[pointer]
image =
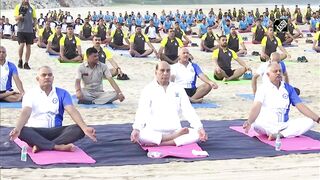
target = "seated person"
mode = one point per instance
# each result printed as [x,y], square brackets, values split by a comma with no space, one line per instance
[117,37]
[226,28]
[104,56]
[101,31]
[269,44]
[170,45]
[40,122]
[234,41]
[137,44]
[185,73]
[86,30]
[262,71]
[153,33]
[179,33]
[313,22]
[285,37]
[316,42]
[222,61]
[91,73]
[299,17]
[53,46]
[44,34]
[203,28]
[294,30]
[244,26]
[158,123]
[9,71]
[207,41]
[7,29]
[167,24]
[272,100]
[70,47]
[258,32]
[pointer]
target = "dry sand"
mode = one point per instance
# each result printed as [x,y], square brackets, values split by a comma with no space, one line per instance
[304,76]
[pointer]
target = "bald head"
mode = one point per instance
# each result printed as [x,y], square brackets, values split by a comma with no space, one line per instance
[275,57]
[3,54]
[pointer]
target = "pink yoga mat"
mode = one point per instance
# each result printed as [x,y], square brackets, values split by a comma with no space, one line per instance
[287,144]
[184,151]
[55,157]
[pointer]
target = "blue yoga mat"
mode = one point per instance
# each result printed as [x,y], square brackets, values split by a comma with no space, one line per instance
[290,45]
[114,147]
[251,98]
[109,105]
[204,105]
[310,50]
[15,105]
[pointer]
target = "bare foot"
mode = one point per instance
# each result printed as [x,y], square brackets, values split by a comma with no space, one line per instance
[64,147]
[272,137]
[35,149]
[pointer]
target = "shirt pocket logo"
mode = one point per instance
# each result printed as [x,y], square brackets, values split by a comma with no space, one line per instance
[285,96]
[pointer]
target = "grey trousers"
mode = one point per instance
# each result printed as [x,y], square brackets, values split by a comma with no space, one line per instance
[47,138]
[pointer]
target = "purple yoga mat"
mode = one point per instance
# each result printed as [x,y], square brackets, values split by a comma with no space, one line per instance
[184,151]
[54,157]
[287,144]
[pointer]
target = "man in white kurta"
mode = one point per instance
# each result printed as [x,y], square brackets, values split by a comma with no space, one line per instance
[270,112]
[161,105]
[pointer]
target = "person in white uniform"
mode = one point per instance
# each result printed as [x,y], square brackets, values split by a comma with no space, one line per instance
[185,74]
[270,112]
[157,121]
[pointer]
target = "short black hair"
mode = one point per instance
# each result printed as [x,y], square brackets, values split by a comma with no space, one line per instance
[90,51]
[69,25]
[222,36]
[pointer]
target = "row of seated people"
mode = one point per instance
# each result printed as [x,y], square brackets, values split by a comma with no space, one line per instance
[153,126]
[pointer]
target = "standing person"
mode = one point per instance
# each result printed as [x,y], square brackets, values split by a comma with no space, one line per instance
[8,72]
[26,18]
[40,122]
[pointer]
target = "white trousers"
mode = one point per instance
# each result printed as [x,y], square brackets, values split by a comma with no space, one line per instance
[291,128]
[149,136]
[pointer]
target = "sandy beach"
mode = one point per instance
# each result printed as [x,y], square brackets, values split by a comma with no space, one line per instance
[305,76]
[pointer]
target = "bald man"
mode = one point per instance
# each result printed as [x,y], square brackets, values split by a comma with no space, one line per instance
[157,120]
[40,121]
[269,114]
[8,72]
[185,74]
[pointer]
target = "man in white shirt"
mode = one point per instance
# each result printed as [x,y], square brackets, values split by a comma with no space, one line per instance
[153,33]
[270,111]
[185,74]
[40,122]
[157,120]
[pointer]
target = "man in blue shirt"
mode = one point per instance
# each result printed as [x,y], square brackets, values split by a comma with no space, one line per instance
[40,122]
[9,71]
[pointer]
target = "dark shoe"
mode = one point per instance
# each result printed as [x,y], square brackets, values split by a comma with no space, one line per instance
[299,59]
[26,66]
[194,45]
[309,41]
[304,59]
[84,102]
[297,90]
[309,35]
[20,64]
[123,77]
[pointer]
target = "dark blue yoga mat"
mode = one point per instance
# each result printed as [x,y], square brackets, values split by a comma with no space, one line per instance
[114,147]
[204,105]
[15,105]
